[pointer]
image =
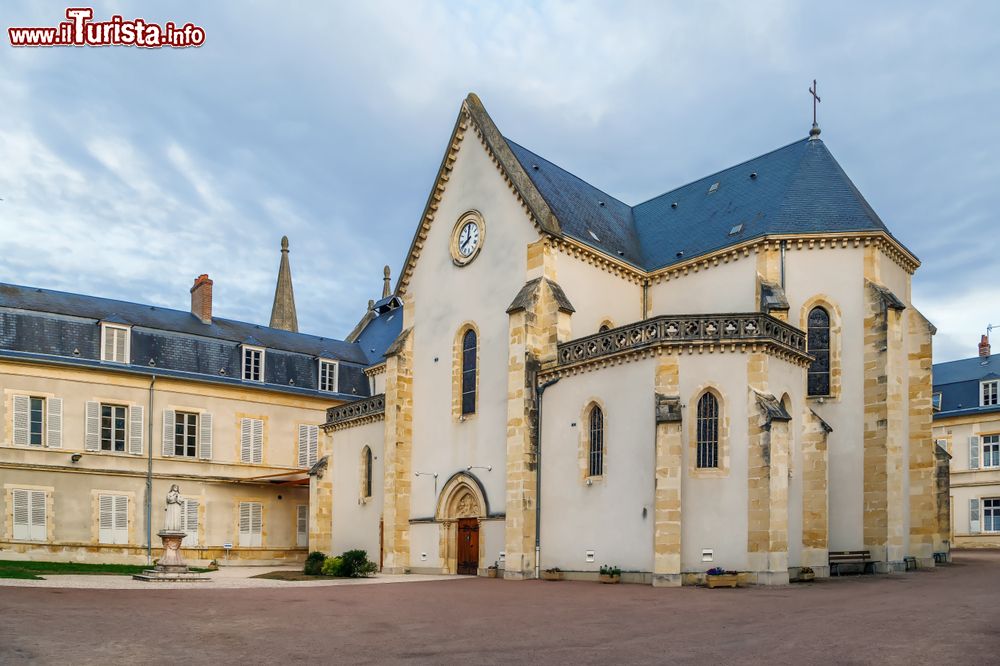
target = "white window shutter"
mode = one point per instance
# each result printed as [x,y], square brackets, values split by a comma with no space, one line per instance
[37,530]
[106,521]
[244,524]
[109,344]
[974,515]
[121,519]
[22,419]
[256,523]
[246,441]
[302,525]
[169,426]
[22,514]
[974,452]
[303,446]
[53,425]
[205,436]
[258,440]
[121,345]
[313,444]
[92,441]
[190,523]
[135,430]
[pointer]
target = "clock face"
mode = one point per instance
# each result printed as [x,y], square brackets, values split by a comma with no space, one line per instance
[468,239]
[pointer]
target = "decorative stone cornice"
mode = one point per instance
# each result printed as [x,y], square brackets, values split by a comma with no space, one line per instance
[735,332]
[377,369]
[355,413]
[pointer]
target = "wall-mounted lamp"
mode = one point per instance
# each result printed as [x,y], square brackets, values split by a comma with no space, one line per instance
[488,468]
[434,474]
[590,482]
[75,457]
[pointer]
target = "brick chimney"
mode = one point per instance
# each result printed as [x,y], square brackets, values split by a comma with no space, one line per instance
[201,299]
[984,347]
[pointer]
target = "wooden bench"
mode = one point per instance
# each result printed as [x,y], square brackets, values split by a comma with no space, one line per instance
[862,557]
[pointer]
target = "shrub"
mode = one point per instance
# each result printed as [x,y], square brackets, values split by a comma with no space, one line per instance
[610,571]
[314,563]
[334,566]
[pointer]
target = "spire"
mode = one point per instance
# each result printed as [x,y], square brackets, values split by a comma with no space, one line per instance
[386,290]
[283,310]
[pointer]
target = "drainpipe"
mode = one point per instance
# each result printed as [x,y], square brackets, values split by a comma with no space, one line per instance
[149,477]
[538,475]
[782,265]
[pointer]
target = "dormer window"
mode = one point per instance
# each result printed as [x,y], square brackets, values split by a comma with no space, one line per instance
[253,363]
[327,376]
[115,343]
[989,393]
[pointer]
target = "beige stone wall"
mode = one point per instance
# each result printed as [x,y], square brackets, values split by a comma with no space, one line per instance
[668,508]
[925,527]
[598,294]
[213,483]
[965,483]
[815,493]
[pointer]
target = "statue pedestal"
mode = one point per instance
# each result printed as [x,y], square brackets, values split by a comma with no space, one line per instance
[170,568]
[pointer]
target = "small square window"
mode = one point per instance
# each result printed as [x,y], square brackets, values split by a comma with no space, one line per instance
[936,402]
[713,187]
[328,376]
[253,364]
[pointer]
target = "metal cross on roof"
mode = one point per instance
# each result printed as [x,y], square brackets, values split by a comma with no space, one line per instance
[815,128]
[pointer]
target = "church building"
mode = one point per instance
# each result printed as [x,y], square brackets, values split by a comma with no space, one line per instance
[731,374]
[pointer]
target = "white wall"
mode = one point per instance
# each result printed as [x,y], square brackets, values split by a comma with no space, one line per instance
[728,287]
[355,520]
[596,295]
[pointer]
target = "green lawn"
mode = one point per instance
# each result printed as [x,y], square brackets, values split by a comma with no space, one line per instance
[36,570]
[288,575]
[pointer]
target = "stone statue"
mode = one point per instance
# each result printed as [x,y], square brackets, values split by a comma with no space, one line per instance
[174,522]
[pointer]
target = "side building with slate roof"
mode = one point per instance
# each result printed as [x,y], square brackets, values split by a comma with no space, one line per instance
[967,426]
[106,404]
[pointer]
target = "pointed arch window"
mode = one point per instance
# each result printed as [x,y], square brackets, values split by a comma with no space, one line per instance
[469,353]
[366,473]
[708,431]
[595,448]
[819,346]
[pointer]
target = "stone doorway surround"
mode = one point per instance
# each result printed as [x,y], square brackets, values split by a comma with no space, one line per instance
[462,498]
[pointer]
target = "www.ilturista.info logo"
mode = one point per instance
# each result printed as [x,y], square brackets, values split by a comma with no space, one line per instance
[80,30]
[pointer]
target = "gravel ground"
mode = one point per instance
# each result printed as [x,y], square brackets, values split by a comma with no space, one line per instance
[947,615]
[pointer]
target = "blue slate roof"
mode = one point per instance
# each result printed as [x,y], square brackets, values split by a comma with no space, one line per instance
[958,384]
[177,321]
[376,337]
[799,188]
[63,327]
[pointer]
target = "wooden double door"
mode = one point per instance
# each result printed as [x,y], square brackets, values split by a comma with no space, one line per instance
[468,546]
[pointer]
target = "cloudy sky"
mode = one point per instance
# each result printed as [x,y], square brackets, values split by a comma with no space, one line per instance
[127,172]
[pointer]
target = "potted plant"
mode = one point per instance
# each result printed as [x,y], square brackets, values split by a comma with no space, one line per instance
[719,577]
[555,573]
[807,574]
[492,570]
[610,575]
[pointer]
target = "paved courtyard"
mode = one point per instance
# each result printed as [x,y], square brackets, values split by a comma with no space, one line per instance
[948,615]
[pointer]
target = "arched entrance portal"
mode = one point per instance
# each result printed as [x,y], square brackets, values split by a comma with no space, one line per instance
[461,507]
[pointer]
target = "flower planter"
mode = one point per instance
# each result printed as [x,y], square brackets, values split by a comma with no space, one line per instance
[805,577]
[491,572]
[722,580]
[610,580]
[552,575]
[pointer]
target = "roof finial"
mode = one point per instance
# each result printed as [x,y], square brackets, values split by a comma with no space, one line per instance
[814,132]
[284,243]
[386,290]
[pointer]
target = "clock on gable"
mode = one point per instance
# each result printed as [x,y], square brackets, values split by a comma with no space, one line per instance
[467,238]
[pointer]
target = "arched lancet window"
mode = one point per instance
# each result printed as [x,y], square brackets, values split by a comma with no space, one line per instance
[708,431]
[469,372]
[595,448]
[366,461]
[605,326]
[818,345]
